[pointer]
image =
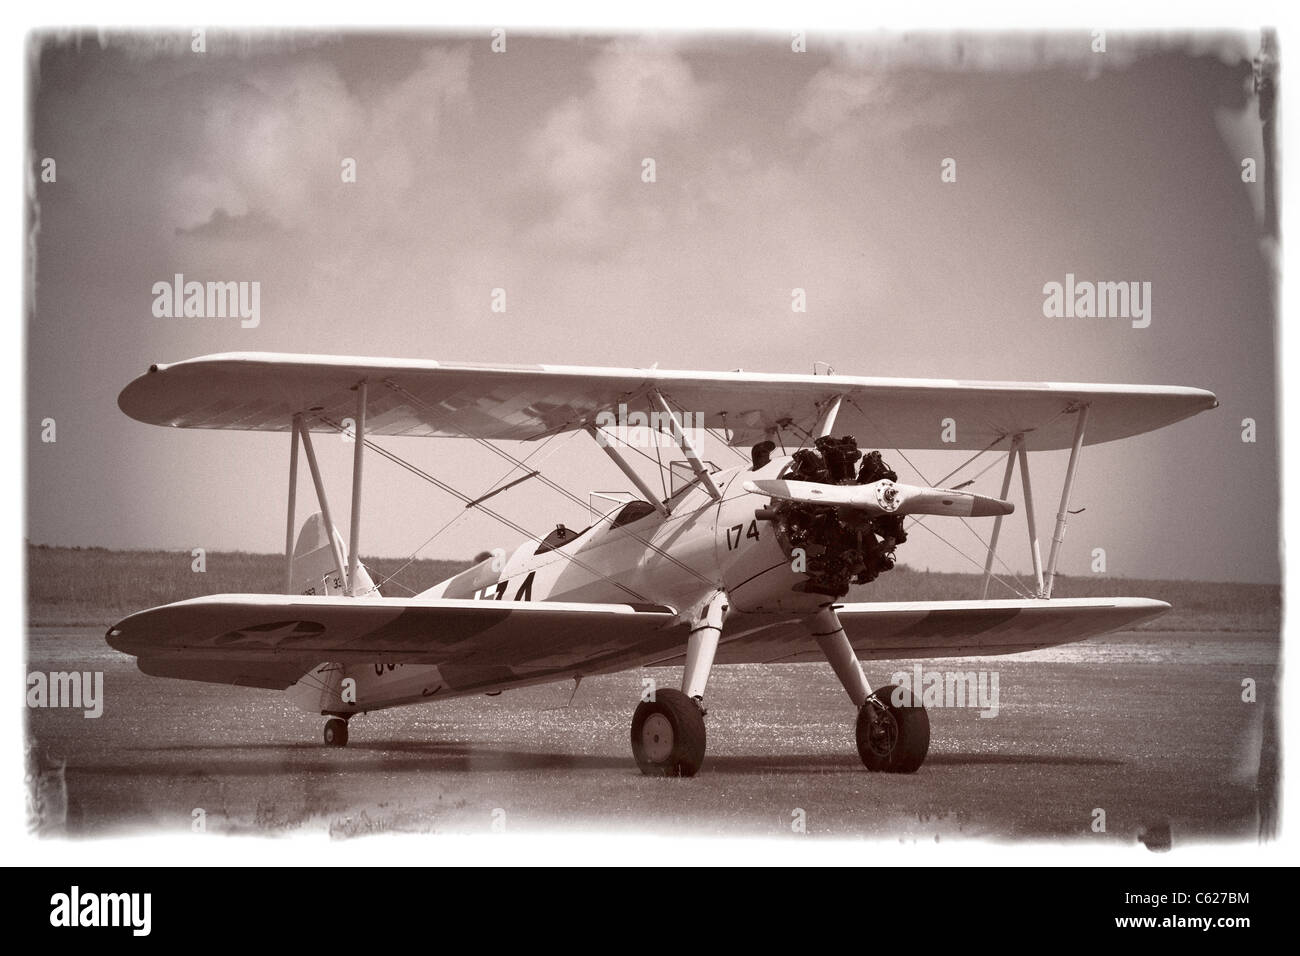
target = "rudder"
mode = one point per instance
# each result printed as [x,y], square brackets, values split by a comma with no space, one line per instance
[314,569]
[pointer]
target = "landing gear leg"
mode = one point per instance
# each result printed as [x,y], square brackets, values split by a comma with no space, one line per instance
[668,737]
[336,732]
[893,730]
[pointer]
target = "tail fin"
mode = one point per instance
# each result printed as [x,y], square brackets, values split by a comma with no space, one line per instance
[315,571]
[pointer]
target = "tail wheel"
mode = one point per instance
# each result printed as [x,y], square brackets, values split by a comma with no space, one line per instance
[668,735]
[893,737]
[336,732]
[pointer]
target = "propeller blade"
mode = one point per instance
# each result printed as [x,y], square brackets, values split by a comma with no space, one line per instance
[884,497]
[943,501]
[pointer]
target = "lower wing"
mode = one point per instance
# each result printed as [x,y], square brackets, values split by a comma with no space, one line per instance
[264,640]
[924,629]
[272,640]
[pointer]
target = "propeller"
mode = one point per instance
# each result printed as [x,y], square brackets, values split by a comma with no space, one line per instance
[884,497]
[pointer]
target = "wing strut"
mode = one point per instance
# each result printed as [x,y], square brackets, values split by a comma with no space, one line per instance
[293,504]
[1044,578]
[1058,535]
[688,449]
[826,421]
[358,452]
[1035,553]
[997,522]
[606,443]
[305,434]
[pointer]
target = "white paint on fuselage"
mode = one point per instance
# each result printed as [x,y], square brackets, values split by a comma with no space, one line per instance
[678,560]
[711,545]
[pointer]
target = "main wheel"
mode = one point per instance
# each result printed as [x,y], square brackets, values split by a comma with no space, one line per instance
[893,737]
[668,735]
[336,732]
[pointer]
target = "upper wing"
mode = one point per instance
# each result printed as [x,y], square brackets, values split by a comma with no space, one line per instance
[925,629]
[262,392]
[268,640]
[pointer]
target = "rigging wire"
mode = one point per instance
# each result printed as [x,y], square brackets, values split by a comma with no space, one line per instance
[806,435]
[442,485]
[916,520]
[455,518]
[560,489]
[1024,594]
[711,432]
[659,463]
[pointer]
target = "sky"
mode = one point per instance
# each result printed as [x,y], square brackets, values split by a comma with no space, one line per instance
[775,170]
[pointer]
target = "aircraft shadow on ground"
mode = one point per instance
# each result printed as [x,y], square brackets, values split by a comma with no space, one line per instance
[462,757]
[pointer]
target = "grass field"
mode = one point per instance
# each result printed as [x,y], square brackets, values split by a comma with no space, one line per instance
[1152,729]
[95,586]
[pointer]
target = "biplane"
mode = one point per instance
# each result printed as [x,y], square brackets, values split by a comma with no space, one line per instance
[743,564]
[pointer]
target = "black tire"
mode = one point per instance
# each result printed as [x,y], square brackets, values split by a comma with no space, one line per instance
[336,732]
[668,735]
[893,738]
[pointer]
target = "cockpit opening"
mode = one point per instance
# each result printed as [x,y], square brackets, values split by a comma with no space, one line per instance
[559,538]
[632,511]
[562,536]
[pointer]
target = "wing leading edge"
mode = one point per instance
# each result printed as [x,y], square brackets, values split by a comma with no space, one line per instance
[271,640]
[928,629]
[262,391]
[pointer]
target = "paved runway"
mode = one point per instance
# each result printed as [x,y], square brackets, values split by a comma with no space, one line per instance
[1151,728]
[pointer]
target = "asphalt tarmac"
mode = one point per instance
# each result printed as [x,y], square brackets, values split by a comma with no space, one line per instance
[1149,728]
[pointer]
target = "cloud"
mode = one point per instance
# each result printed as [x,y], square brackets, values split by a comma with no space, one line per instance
[1020,52]
[870,104]
[272,142]
[587,154]
[222,225]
